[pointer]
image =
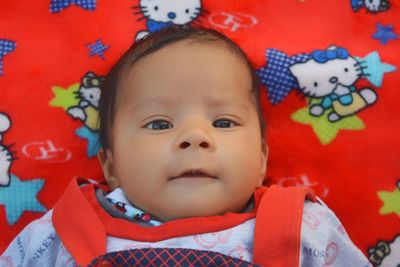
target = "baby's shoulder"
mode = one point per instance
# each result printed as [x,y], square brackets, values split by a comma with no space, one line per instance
[38,244]
[324,240]
[39,229]
[318,215]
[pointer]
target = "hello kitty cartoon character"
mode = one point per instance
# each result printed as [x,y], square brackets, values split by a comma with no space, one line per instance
[330,75]
[5,153]
[372,6]
[89,96]
[385,253]
[160,14]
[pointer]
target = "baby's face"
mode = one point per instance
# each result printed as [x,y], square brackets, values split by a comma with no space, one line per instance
[186,138]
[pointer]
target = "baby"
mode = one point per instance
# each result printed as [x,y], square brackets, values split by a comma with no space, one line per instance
[184,157]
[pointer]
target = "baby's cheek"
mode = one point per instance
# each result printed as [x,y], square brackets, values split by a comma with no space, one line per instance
[242,161]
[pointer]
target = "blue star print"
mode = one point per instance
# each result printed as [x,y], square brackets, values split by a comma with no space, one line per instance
[20,196]
[59,5]
[97,48]
[276,74]
[6,46]
[384,33]
[375,68]
[92,138]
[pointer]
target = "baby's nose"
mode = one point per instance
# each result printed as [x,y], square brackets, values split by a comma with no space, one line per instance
[195,138]
[186,144]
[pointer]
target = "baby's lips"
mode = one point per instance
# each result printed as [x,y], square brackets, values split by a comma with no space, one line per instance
[193,173]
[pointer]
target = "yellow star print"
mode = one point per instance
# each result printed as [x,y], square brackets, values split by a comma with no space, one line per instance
[65,98]
[325,130]
[391,202]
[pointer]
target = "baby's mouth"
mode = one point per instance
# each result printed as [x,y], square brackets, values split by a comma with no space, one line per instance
[194,173]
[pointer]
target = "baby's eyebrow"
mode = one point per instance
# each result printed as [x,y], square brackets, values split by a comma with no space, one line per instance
[211,102]
[226,102]
[158,100]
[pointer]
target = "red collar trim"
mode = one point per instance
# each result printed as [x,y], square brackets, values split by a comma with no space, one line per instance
[83,225]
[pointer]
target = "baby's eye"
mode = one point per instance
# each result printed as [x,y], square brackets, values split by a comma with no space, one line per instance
[159,125]
[224,123]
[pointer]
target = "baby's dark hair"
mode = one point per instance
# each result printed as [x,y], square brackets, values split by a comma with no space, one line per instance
[150,44]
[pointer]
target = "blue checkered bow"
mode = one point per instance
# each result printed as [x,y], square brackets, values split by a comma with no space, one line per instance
[357,4]
[155,26]
[59,5]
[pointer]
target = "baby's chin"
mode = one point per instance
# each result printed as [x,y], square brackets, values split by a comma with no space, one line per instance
[191,211]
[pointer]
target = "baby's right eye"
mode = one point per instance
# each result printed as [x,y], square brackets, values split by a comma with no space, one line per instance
[159,125]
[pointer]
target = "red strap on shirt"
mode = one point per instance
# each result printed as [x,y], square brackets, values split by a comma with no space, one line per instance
[77,224]
[278,226]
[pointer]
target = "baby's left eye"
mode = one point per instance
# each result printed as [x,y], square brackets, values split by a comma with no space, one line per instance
[224,123]
[159,125]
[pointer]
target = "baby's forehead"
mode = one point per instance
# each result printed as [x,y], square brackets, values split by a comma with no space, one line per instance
[193,55]
[186,63]
[189,47]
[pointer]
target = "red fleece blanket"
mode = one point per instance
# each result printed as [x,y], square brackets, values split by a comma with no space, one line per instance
[330,94]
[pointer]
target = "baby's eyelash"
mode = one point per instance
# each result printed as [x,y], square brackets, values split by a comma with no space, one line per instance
[159,125]
[224,123]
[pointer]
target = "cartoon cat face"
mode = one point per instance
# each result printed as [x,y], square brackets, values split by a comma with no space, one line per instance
[5,163]
[384,253]
[5,123]
[376,5]
[393,258]
[91,95]
[176,11]
[321,79]
[5,154]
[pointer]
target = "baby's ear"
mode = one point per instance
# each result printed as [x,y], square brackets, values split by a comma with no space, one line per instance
[107,164]
[264,160]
